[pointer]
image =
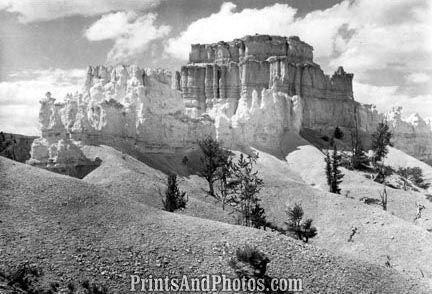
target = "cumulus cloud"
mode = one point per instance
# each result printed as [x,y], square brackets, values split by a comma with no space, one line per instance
[386,97]
[41,10]
[418,78]
[132,34]
[21,94]
[228,24]
[362,35]
[367,37]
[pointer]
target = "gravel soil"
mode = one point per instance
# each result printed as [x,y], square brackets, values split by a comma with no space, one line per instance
[99,230]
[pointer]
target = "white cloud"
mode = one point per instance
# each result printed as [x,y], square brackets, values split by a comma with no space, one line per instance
[19,97]
[41,10]
[132,34]
[361,35]
[418,78]
[386,97]
[367,37]
[228,24]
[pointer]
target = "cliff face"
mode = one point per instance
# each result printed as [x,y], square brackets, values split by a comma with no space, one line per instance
[125,106]
[253,91]
[412,135]
[16,147]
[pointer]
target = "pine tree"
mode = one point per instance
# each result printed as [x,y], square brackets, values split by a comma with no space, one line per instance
[246,185]
[214,158]
[333,174]
[328,168]
[223,175]
[359,158]
[174,198]
[380,140]
[337,175]
[303,229]
[338,134]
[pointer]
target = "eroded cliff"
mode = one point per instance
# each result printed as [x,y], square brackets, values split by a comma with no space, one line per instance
[254,91]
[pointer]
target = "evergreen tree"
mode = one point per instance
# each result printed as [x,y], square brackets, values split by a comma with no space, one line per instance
[226,184]
[336,173]
[359,158]
[174,198]
[246,185]
[338,134]
[380,140]
[303,229]
[214,158]
[333,174]
[328,168]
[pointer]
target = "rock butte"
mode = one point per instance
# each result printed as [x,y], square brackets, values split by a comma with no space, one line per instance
[254,91]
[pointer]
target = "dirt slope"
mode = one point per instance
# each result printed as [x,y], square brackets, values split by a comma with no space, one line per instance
[380,233]
[76,230]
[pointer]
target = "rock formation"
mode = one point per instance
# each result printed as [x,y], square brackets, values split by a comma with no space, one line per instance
[16,147]
[126,107]
[254,91]
[412,135]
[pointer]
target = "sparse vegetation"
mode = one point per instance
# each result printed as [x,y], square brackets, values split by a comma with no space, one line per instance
[380,141]
[249,262]
[7,146]
[338,134]
[26,278]
[214,158]
[226,184]
[413,174]
[246,185]
[185,160]
[174,198]
[353,232]
[383,171]
[333,173]
[383,198]
[359,159]
[302,229]
[325,138]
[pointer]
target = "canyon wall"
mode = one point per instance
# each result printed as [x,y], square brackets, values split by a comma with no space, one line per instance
[126,107]
[254,91]
[413,135]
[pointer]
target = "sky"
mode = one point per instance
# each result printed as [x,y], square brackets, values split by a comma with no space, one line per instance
[46,45]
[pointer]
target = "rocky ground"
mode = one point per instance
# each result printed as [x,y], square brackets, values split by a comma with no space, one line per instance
[97,229]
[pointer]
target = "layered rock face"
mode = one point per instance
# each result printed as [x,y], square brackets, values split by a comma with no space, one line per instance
[412,135]
[16,147]
[126,107]
[255,91]
[235,69]
[235,80]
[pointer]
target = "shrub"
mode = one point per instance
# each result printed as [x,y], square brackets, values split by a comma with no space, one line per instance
[383,171]
[338,134]
[249,262]
[174,198]
[415,175]
[325,138]
[26,279]
[303,229]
